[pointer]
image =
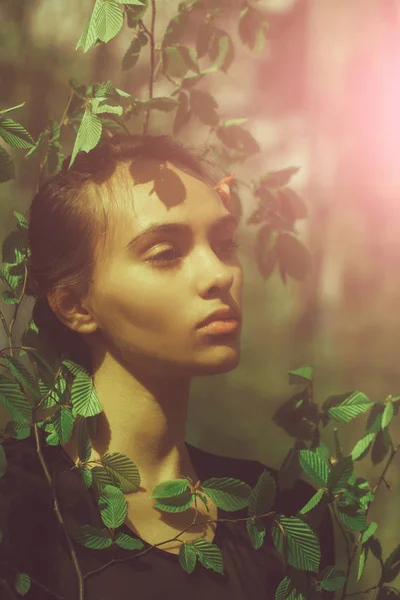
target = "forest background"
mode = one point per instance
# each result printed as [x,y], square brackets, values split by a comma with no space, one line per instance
[323,94]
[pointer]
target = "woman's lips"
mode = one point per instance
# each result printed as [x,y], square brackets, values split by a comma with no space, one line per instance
[221,326]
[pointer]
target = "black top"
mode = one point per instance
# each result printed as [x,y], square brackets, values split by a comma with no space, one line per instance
[33,541]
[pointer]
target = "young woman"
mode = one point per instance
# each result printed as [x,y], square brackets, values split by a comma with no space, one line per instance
[136,277]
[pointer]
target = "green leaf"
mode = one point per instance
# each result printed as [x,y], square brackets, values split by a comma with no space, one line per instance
[340,474]
[105,22]
[252,29]
[278,179]
[391,567]
[63,424]
[135,12]
[14,134]
[7,171]
[17,430]
[127,542]
[262,496]
[74,368]
[101,478]
[87,476]
[293,257]
[359,450]
[23,376]
[332,579]
[113,506]
[42,139]
[173,61]
[83,441]
[14,401]
[353,523]
[301,375]
[123,470]
[22,221]
[355,404]
[55,157]
[84,397]
[313,502]
[221,50]
[131,56]
[372,527]
[187,557]
[182,114]
[227,493]
[170,488]
[387,415]
[204,106]
[8,297]
[303,549]
[175,29]
[90,537]
[3,461]
[315,467]
[290,469]
[133,2]
[209,555]
[22,583]
[89,133]
[237,138]
[105,105]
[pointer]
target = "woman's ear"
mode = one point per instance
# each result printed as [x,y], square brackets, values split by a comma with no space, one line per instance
[71,311]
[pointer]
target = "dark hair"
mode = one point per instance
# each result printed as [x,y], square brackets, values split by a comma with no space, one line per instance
[65,223]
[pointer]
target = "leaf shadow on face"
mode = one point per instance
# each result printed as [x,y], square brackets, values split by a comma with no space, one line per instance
[167,184]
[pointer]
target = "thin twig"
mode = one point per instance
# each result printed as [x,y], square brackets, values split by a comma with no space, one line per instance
[59,514]
[17,305]
[152,52]
[119,560]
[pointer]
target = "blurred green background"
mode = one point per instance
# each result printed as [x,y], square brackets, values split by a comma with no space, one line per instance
[324,95]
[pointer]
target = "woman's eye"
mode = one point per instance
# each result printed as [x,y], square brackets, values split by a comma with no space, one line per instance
[171,254]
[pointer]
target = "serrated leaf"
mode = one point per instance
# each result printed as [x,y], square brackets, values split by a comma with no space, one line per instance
[89,134]
[302,544]
[353,523]
[131,56]
[84,397]
[387,415]
[105,105]
[187,557]
[7,170]
[204,106]
[23,376]
[227,493]
[290,469]
[209,555]
[135,12]
[93,538]
[221,51]
[17,430]
[315,467]
[262,496]
[372,527]
[63,424]
[355,404]
[8,297]
[237,138]
[182,114]
[112,506]
[293,257]
[83,441]
[313,502]
[301,375]
[127,542]
[170,488]
[123,470]
[332,579]
[22,221]
[74,368]
[87,476]
[252,28]
[340,474]
[14,401]
[256,530]
[101,478]
[22,583]
[361,447]
[14,134]
[42,139]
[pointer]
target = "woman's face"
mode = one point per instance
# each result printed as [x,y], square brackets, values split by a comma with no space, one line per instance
[151,290]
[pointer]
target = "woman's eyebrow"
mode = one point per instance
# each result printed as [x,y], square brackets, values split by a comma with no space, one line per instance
[179,227]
